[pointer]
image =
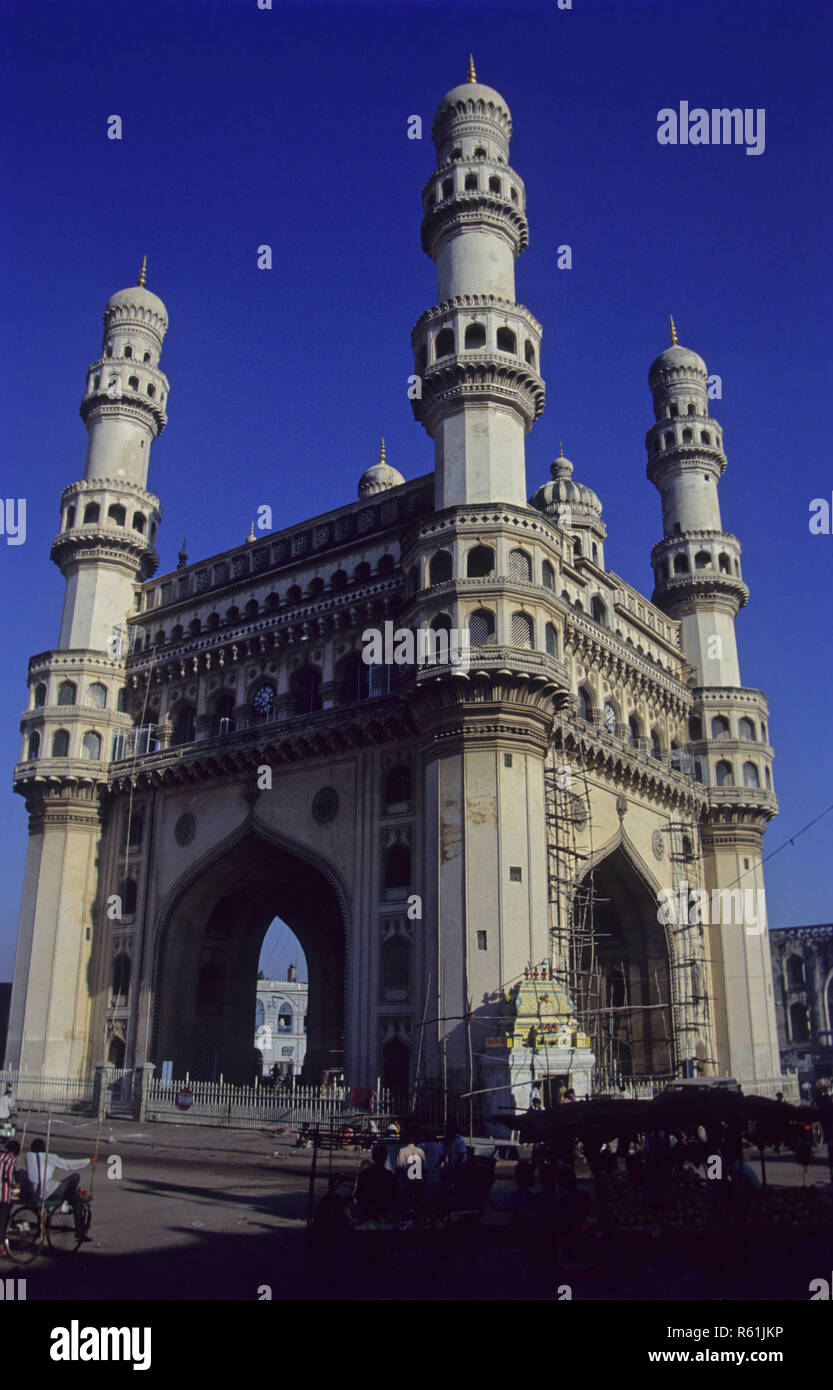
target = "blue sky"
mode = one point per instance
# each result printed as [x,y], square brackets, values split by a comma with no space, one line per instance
[288,127]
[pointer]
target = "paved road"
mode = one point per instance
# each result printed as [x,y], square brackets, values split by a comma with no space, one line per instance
[202,1213]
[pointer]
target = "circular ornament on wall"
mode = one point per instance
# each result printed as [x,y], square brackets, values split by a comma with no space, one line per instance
[658,844]
[325,805]
[185,829]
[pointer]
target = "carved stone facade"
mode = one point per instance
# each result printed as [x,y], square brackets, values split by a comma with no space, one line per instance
[428,832]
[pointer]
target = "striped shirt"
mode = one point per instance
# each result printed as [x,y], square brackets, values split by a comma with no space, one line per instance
[6,1176]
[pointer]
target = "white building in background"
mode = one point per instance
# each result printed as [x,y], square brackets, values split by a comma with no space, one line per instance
[281,1024]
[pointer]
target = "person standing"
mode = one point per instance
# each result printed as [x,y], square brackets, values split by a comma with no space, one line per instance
[7,1158]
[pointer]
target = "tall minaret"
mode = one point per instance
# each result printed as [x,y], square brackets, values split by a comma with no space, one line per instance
[77,697]
[698,581]
[477,352]
[483,565]
[697,563]
[109,520]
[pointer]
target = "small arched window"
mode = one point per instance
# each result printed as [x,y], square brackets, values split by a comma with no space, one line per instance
[795,972]
[471,184]
[91,746]
[695,728]
[480,562]
[33,748]
[585,703]
[194,627]
[480,152]
[494,185]
[397,867]
[520,565]
[548,576]
[610,718]
[92,511]
[128,351]
[60,744]
[66,693]
[151,390]
[598,611]
[768,776]
[285,1017]
[724,563]
[529,353]
[305,686]
[138,523]
[674,410]
[448,188]
[117,514]
[133,383]
[396,967]
[687,435]
[183,725]
[577,549]
[669,440]
[121,699]
[750,775]
[506,340]
[799,1026]
[121,975]
[656,744]
[522,630]
[702,560]
[439,570]
[746,729]
[705,437]
[724,775]
[691,409]
[398,785]
[97,696]
[40,695]
[635,731]
[720,726]
[551,640]
[513,193]
[475,336]
[445,342]
[70,518]
[481,627]
[353,679]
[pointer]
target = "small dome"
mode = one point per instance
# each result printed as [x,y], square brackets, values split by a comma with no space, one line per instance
[471,91]
[379,478]
[140,298]
[582,500]
[677,357]
[137,303]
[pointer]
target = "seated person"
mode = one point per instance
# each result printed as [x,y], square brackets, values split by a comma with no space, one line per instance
[522,1202]
[375,1188]
[41,1165]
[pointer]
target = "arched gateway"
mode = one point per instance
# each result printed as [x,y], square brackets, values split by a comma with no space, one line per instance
[210,935]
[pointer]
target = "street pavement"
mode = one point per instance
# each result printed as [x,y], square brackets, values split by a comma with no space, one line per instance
[192,1212]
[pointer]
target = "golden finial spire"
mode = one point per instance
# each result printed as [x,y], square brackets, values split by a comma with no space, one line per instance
[472,74]
[251,534]
[673,330]
[382,451]
[143,271]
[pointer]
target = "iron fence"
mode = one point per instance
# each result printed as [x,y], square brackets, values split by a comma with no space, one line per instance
[257,1107]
